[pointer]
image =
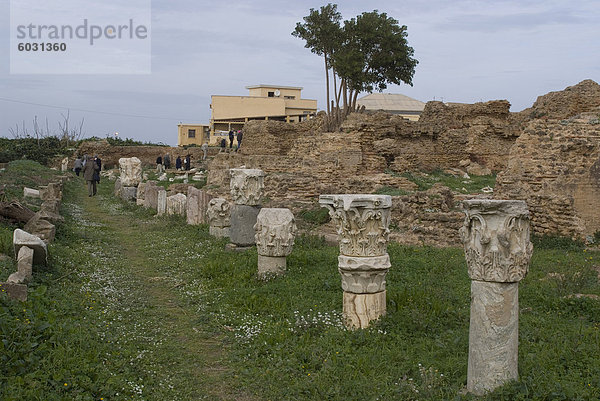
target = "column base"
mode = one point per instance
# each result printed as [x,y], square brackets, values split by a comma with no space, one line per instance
[219,232]
[271,266]
[361,309]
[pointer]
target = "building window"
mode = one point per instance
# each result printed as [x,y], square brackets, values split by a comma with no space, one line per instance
[290,97]
[271,94]
[191,133]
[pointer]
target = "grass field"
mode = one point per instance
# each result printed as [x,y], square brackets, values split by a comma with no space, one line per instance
[140,307]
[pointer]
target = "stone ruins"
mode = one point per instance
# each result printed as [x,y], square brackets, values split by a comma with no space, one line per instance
[275,232]
[362,223]
[246,186]
[219,217]
[497,249]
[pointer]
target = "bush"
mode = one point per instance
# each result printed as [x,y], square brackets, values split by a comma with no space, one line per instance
[42,150]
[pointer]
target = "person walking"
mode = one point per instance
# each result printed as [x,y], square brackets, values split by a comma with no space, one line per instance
[239,139]
[89,170]
[178,163]
[97,173]
[167,161]
[204,150]
[159,165]
[78,165]
[231,138]
[187,162]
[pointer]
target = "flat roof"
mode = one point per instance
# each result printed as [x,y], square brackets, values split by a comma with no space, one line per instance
[273,87]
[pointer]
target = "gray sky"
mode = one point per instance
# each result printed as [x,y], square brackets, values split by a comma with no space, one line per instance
[468,51]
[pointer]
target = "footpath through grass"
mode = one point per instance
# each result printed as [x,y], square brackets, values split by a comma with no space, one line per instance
[140,307]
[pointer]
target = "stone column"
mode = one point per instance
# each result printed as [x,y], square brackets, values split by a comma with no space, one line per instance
[176,204]
[218,214]
[197,203]
[246,187]
[161,202]
[497,249]
[362,223]
[275,231]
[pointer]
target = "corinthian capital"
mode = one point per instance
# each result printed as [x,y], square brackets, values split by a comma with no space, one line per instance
[275,231]
[362,222]
[218,213]
[246,186]
[496,239]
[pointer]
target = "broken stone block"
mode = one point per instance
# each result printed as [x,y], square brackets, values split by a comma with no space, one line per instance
[40,227]
[219,217]
[40,251]
[50,206]
[151,195]
[246,186]
[130,169]
[118,186]
[128,193]
[197,204]
[52,191]
[243,219]
[31,193]
[24,267]
[15,291]
[161,206]
[176,204]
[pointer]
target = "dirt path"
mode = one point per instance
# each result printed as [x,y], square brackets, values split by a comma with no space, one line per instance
[182,350]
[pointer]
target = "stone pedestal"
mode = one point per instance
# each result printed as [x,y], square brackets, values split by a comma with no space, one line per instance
[362,223]
[151,195]
[128,193]
[219,217]
[275,232]
[31,193]
[176,204]
[130,169]
[40,251]
[246,187]
[161,202]
[243,219]
[497,249]
[41,228]
[197,204]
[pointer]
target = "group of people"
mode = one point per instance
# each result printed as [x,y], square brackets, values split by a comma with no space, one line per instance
[232,134]
[90,167]
[163,163]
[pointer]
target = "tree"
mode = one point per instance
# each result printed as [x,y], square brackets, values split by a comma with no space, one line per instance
[322,32]
[373,54]
[367,53]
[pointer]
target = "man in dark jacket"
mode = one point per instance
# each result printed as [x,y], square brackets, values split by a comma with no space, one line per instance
[178,163]
[230,139]
[187,162]
[240,135]
[89,170]
[97,173]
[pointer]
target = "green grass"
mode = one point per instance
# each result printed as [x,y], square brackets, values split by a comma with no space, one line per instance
[24,173]
[472,185]
[132,299]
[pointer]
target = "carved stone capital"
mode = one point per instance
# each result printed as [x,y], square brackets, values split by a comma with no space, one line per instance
[246,186]
[496,239]
[363,275]
[275,232]
[362,222]
[218,213]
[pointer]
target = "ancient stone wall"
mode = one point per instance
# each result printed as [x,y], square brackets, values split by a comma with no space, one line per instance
[555,167]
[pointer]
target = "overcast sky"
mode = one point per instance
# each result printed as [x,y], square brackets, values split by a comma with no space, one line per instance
[468,51]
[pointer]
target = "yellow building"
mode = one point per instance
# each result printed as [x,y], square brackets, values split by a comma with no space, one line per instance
[264,102]
[192,134]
